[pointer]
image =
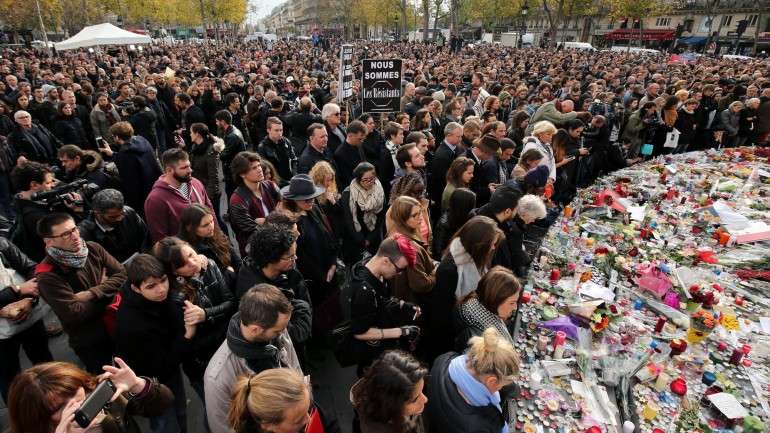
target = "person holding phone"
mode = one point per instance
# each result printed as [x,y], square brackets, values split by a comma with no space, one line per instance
[47,397]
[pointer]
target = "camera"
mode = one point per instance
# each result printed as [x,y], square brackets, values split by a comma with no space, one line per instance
[59,194]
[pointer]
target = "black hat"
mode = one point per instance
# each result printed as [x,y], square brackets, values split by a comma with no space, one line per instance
[301,187]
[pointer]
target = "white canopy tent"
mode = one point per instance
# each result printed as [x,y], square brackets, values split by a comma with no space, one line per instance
[102,34]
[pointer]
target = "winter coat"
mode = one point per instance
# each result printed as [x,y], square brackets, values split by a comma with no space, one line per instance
[353,242]
[549,112]
[293,286]
[204,159]
[92,170]
[246,208]
[129,237]
[36,144]
[69,130]
[165,203]
[14,258]
[149,335]
[82,319]
[139,169]
[145,123]
[729,122]
[447,410]
[100,124]
[281,155]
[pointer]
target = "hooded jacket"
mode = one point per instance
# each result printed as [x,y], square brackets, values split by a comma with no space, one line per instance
[138,167]
[149,335]
[165,204]
[92,169]
[204,159]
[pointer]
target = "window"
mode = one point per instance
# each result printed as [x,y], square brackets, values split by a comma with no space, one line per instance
[727,20]
[687,26]
[752,19]
[610,25]
[662,22]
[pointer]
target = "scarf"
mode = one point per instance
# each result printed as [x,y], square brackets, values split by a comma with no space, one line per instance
[71,259]
[468,275]
[479,317]
[258,356]
[369,201]
[474,391]
[392,150]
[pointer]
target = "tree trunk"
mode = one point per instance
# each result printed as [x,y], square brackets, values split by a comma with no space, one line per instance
[437,3]
[203,21]
[425,19]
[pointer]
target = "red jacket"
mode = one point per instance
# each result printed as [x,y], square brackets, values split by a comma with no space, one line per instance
[165,203]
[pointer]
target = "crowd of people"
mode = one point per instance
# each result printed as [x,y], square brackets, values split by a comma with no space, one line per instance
[215,212]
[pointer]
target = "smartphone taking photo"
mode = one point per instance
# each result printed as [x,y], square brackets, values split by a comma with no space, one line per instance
[94,403]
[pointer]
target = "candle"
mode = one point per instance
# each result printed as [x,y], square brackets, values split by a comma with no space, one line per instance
[736,357]
[526,297]
[555,275]
[660,324]
[708,378]
[724,237]
[679,386]
[678,346]
[542,342]
[722,346]
[650,411]
[746,349]
[662,381]
[738,300]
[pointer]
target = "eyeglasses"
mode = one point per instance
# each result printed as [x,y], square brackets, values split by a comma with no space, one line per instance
[66,234]
[398,270]
[336,114]
[368,179]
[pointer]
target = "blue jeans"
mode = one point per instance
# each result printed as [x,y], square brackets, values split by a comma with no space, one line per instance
[174,420]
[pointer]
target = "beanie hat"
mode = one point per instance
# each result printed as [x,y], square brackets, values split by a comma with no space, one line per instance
[538,176]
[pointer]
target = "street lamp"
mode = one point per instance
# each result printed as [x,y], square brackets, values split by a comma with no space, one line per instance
[524,12]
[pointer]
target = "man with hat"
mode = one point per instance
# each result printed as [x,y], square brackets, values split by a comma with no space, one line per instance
[317,244]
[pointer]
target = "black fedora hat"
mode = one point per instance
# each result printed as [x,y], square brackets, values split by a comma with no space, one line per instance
[301,187]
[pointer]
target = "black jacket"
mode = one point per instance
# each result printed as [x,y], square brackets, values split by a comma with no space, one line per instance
[213,295]
[36,144]
[334,141]
[293,286]
[480,182]
[503,255]
[149,336]
[317,247]
[442,159]
[129,237]
[297,124]
[92,169]
[144,123]
[14,258]
[447,410]
[204,159]
[139,169]
[347,158]
[233,145]
[514,238]
[437,317]
[372,145]
[24,233]
[281,155]
[69,130]
[310,157]
[685,124]
[353,242]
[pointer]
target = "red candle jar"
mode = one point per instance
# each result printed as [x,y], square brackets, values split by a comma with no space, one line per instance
[746,349]
[746,362]
[555,275]
[660,324]
[736,357]
[525,297]
[722,346]
[679,386]
[593,429]
[678,346]
[738,300]
[657,430]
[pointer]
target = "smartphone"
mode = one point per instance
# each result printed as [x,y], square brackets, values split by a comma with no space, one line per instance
[101,143]
[94,403]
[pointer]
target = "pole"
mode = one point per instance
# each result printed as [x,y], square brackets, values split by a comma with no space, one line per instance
[756,33]
[42,27]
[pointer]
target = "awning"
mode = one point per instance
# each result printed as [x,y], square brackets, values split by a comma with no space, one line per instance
[693,40]
[646,34]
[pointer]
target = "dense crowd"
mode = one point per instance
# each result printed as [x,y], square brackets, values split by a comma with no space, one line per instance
[215,212]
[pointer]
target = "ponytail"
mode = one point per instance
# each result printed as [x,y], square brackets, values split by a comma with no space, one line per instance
[492,354]
[263,398]
[237,417]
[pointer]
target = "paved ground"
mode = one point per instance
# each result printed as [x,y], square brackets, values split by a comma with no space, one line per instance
[331,387]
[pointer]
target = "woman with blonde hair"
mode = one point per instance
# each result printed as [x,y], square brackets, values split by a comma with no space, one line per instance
[406,214]
[542,134]
[464,390]
[276,401]
[324,176]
